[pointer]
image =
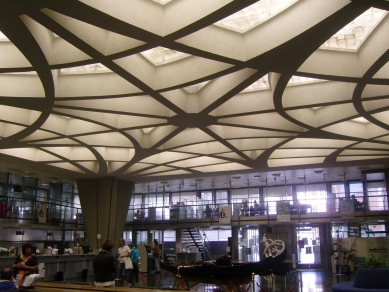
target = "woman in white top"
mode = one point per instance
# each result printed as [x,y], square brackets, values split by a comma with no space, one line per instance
[123,251]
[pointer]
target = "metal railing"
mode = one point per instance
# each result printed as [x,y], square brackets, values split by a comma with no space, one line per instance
[329,205]
[18,208]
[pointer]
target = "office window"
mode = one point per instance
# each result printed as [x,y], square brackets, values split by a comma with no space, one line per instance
[377,198]
[274,194]
[313,196]
[338,190]
[222,197]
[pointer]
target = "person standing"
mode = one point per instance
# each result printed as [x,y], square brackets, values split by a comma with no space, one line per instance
[104,266]
[156,254]
[123,251]
[135,264]
[6,282]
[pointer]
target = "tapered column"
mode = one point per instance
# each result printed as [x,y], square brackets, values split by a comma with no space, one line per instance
[178,240]
[235,243]
[104,204]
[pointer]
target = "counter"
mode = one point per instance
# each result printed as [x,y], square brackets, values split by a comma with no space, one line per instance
[71,266]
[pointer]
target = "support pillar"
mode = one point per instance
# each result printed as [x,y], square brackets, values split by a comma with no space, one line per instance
[178,240]
[234,243]
[104,204]
[134,237]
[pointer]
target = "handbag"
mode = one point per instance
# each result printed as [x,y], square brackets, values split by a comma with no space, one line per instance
[128,263]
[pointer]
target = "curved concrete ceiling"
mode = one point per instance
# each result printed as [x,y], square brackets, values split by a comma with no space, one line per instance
[154,90]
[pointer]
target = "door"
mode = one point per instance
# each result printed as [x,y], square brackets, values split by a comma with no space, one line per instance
[308,247]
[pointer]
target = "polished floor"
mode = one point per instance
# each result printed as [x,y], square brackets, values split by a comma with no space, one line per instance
[303,281]
[300,281]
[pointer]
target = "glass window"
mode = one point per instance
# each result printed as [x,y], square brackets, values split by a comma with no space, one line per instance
[373,230]
[3,177]
[275,194]
[313,196]
[30,182]
[222,197]
[377,198]
[206,196]
[338,190]
[169,236]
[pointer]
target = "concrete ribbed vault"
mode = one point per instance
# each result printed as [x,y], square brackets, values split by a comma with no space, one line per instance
[83,94]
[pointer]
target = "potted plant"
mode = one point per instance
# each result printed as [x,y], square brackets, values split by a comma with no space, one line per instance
[347,256]
[374,262]
[373,273]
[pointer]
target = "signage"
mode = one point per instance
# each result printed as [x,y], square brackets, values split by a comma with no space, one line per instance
[224,214]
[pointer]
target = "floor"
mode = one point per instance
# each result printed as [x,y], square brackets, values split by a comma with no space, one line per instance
[311,281]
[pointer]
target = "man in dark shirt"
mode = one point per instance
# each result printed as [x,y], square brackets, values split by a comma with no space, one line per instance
[104,266]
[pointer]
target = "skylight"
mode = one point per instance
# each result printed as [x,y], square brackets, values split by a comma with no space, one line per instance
[148,130]
[3,37]
[297,80]
[253,15]
[196,87]
[260,84]
[162,2]
[361,120]
[161,55]
[353,34]
[91,68]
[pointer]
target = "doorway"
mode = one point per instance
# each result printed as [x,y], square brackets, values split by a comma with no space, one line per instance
[308,247]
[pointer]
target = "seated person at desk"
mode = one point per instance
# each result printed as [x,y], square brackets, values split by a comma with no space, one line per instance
[244,209]
[7,283]
[358,206]
[26,263]
[252,211]
[208,212]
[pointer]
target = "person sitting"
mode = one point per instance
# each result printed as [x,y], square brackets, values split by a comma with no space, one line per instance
[104,266]
[252,211]
[245,210]
[7,282]
[358,206]
[256,206]
[208,212]
[26,263]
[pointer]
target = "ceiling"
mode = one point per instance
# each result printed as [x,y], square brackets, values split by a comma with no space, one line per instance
[219,91]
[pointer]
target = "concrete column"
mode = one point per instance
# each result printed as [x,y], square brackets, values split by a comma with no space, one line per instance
[178,240]
[235,243]
[135,237]
[104,204]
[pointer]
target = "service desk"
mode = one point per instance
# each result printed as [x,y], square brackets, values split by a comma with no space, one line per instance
[69,266]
